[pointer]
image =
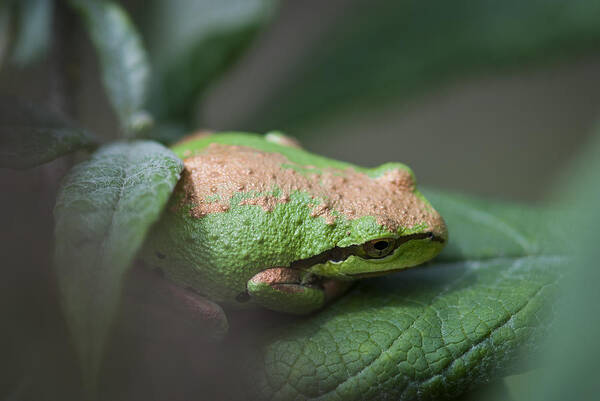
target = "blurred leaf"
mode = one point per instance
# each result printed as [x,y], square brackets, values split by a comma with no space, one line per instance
[496,391]
[192,43]
[103,211]
[167,132]
[428,333]
[5,30]
[382,51]
[34,30]
[522,387]
[482,229]
[125,68]
[30,136]
[572,353]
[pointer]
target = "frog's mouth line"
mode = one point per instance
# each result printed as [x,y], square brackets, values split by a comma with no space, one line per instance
[340,254]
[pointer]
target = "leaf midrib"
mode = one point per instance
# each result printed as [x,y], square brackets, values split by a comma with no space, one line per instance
[99,262]
[494,329]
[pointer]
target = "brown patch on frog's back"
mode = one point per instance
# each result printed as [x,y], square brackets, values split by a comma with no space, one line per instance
[211,178]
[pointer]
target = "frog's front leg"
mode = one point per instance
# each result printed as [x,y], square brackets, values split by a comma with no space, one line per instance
[293,291]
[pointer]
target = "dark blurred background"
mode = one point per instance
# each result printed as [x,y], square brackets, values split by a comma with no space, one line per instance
[477,97]
[501,131]
[482,97]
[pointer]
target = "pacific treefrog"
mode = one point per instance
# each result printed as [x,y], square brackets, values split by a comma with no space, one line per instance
[255,220]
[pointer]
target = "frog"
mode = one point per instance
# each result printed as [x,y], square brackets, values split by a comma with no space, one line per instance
[258,221]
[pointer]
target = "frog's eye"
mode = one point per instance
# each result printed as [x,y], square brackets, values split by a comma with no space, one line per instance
[379,248]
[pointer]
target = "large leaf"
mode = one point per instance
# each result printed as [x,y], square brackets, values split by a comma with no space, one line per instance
[192,42]
[103,211]
[390,50]
[123,60]
[429,333]
[30,136]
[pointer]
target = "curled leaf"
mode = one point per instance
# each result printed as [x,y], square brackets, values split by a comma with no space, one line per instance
[123,59]
[30,135]
[103,211]
[34,30]
[192,43]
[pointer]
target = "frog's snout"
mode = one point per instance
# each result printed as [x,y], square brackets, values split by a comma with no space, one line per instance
[439,230]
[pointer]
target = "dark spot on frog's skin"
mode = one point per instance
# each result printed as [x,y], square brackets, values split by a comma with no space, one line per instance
[242,297]
[160,255]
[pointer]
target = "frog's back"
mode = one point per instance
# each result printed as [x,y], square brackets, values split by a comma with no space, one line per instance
[197,144]
[245,203]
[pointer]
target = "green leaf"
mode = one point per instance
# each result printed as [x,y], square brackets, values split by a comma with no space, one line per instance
[429,333]
[382,51]
[123,59]
[30,136]
[571,354]
[103,211]
[496,391]
[34,30]
[192,43]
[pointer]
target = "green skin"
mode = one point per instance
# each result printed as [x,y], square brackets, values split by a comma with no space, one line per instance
[249,256]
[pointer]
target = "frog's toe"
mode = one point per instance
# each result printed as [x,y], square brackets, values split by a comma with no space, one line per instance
[281,289]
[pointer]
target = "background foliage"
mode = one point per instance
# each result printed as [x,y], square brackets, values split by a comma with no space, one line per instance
[158,69]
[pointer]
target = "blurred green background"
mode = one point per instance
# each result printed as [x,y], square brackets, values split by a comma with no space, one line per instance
[476,96]
[482,97]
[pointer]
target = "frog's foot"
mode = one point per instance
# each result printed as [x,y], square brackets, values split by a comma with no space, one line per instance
[293,291]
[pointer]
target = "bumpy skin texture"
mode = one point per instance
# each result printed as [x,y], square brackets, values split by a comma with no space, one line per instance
[247,203]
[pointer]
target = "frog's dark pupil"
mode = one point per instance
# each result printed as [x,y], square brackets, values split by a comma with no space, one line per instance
[380,245]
